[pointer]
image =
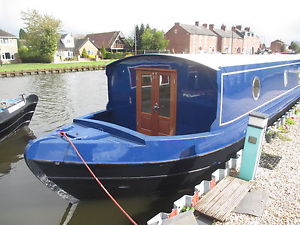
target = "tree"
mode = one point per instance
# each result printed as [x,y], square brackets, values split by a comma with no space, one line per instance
[295,47]
[42,34]
[22,34]
[152,39]
[84,54]
[103,52]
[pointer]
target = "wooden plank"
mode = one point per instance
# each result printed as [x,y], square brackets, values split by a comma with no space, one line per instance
[222,199]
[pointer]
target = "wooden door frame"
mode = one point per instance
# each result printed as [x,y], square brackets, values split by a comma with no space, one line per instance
[155,97]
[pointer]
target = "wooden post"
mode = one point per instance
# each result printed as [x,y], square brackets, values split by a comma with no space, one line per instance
[251,153]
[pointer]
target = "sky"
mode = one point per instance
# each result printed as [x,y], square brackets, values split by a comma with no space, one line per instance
[269,19]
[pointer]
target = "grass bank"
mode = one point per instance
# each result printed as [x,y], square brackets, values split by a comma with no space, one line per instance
[35,66]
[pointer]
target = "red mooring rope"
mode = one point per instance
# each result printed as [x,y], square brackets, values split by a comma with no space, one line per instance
[96,178]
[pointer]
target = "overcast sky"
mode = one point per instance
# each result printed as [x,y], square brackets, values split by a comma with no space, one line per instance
[269,19]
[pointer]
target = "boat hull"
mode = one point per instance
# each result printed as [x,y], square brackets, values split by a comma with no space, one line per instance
[12,120]
[134,178]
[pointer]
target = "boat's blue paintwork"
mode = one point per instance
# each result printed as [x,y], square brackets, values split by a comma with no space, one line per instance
[196,88]
[212,114]
[236,93]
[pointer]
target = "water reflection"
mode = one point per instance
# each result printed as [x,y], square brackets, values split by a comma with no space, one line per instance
[96,212]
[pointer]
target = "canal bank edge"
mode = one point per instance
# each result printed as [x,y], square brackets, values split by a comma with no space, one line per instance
[51,70]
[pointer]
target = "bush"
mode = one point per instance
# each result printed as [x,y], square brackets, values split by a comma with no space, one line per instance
[116,55]
[30,56]
[84,54]
[103,52]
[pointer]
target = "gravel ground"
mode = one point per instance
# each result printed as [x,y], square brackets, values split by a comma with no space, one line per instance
[282,183]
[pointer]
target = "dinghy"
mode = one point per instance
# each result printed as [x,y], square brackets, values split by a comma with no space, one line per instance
[15,114]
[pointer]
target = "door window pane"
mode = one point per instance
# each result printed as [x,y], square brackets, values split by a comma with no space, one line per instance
[146,93]
[164,95]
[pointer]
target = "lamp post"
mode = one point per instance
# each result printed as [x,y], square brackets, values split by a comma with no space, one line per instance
[0,57]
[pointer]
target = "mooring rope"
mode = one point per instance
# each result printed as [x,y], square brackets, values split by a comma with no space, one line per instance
[64,134]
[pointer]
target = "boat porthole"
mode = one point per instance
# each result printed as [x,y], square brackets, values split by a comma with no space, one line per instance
[256,88]
[285,78]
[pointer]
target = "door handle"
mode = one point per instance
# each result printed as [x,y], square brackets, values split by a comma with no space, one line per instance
[156,107]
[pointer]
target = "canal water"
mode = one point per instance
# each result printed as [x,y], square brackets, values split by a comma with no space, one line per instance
[24,199]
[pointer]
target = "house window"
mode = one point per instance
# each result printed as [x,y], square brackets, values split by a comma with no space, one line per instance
[1,41]
[7,55]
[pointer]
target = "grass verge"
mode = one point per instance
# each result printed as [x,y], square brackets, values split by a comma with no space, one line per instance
[34,66]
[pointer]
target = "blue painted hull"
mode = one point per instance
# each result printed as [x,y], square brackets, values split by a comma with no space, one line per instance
[211,126]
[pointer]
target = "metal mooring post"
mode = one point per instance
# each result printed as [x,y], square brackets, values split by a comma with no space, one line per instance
[252,148]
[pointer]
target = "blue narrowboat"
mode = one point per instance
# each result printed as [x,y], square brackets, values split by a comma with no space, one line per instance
[169,120]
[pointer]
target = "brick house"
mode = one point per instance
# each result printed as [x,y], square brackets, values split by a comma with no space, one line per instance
[8,47]
[228,40]
[184,38]
[251,42]
[277,46]
[112,41]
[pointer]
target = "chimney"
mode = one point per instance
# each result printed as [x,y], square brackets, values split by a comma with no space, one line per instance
[239,27]
[211,26]
[223,27]
[197,23]
[176,24]
[233,28]
[247,29]
[204,25]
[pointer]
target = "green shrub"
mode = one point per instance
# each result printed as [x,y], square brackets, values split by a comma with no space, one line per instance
[84,54]
[31,56]
[103,52]
[290,121]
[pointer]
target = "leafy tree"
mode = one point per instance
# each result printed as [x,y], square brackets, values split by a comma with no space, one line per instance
[138,35]
[22,34]
[295,47]
[103,52]
[42,34]
[84,54]
[152,39]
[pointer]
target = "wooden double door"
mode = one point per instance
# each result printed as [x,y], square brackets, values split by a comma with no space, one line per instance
[156,101]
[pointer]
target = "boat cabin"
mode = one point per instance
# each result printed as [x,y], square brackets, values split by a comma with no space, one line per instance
[167,95]
[161,95]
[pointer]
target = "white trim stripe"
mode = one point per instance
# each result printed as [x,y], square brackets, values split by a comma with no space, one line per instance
[262,68]
[237,118]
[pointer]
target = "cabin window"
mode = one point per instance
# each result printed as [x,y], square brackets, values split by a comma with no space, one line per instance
[146,93]
[285,78]
[164,95]
[256,88]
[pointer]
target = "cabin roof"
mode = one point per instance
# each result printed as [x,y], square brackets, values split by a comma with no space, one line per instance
[215,61]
